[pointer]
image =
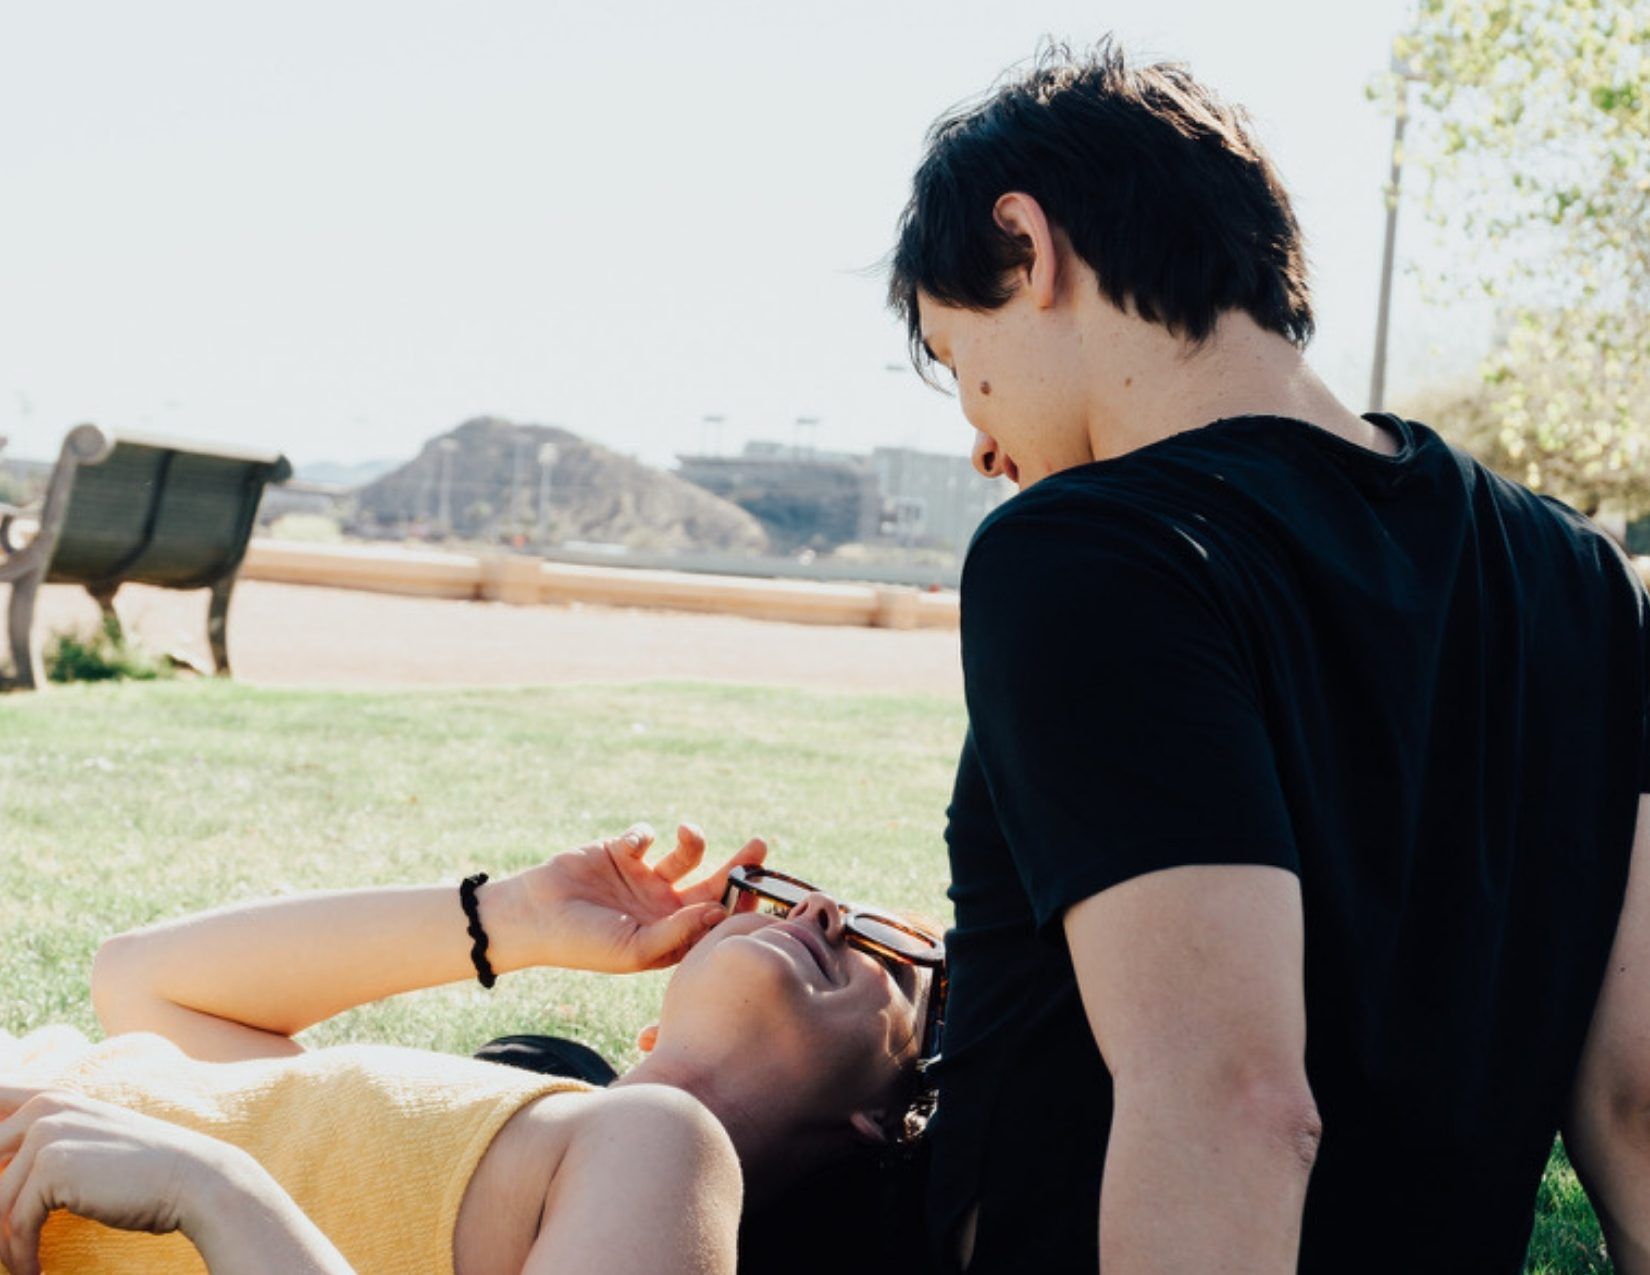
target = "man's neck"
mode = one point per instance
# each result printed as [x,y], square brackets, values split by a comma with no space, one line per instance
[1242,370]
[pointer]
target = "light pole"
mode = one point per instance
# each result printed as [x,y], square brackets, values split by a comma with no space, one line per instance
[1377,377]
[447,446]
[547,459]
[808,424]
[518,477]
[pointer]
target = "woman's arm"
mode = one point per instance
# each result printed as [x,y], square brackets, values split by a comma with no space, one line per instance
[240,982]
[649,1184]
[135,1173]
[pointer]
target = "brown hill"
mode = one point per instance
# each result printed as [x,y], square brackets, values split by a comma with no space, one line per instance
[495,483]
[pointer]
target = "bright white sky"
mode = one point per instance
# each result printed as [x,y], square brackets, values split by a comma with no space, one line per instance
[341,227]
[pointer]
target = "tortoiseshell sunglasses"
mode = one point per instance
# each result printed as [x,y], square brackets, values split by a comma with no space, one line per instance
[885,937]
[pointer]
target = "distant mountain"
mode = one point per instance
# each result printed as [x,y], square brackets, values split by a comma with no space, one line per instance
[341,474]
[495,482]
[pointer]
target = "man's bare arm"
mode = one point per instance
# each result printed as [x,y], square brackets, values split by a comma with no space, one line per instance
[1607,1130]
[1192,979]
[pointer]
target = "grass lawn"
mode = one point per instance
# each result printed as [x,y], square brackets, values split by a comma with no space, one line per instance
[125,804]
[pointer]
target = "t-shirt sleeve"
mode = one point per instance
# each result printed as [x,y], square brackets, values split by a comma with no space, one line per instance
[1644,638]
[1114,715]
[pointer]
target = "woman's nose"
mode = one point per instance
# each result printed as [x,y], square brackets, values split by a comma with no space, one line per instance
[821,910]
[988,457]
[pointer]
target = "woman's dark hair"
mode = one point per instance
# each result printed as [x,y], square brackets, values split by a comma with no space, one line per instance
[1160,187]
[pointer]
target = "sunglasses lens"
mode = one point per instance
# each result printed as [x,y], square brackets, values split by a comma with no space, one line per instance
[894,937]
[768,894]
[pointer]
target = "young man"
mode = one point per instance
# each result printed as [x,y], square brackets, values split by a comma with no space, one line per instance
[1291,839]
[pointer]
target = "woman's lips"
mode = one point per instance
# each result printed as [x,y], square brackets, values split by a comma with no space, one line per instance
[1011,471]
[810,939]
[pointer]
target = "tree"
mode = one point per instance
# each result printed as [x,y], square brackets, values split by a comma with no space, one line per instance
[1535,135]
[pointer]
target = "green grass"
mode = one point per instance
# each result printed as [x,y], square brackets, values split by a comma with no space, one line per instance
[122,804]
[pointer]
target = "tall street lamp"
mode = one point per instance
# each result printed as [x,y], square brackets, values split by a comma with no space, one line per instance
[446,447]
[1406,74]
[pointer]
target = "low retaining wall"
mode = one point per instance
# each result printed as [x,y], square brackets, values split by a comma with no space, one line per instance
[525,581]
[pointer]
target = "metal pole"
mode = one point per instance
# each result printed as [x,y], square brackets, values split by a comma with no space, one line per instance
[1377,376]
[547,458]
[517,474]
[447,447]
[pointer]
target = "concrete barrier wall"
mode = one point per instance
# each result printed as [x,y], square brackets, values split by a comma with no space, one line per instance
[525,581]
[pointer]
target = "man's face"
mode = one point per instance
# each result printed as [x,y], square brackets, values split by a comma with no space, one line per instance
[1017,370]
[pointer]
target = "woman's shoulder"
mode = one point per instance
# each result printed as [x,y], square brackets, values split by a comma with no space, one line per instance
[568,1153]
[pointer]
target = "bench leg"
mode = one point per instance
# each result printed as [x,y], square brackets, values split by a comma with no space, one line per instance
[25,653]
[105,599]
[217,624]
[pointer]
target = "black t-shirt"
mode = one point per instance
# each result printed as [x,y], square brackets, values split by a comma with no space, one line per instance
[1413,683]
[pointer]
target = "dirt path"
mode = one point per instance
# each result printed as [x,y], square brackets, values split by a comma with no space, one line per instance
[292,635]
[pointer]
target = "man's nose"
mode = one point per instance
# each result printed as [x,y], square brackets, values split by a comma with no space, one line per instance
[821,910]
[988,457]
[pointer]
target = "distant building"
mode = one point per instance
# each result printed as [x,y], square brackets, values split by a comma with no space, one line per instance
[935,498]
[819,500]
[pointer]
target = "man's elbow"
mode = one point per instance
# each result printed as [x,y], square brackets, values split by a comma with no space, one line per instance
[1287,1113]
[1270,1108]
[1614,1115]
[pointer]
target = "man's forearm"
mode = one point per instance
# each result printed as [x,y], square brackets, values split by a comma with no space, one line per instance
[1199,1188]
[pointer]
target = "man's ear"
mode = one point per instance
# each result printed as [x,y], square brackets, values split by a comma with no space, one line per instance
[647,1038]
[870,1126]
[1022,216]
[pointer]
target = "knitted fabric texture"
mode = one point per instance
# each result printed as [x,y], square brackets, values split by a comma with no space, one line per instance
[375,1143]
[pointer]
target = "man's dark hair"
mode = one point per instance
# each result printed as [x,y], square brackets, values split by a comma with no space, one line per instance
[1159,186]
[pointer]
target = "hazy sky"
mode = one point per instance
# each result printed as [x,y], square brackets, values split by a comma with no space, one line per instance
[339,228]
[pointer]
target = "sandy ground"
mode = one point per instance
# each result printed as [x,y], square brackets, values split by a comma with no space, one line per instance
[294,635]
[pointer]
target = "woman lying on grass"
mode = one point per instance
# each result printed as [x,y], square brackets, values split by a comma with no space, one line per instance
[789,1034]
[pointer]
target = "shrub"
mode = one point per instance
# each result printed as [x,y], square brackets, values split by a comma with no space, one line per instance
[106,654]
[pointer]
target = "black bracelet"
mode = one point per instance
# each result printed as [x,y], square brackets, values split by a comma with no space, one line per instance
[478,950]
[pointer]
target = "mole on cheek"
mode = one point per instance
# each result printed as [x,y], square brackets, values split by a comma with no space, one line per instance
[985,387]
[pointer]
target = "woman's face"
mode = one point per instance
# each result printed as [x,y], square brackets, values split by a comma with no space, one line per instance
[812,1012]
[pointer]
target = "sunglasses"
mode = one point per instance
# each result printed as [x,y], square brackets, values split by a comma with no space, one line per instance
[887,938]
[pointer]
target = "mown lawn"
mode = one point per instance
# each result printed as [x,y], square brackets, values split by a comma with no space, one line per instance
[123,804]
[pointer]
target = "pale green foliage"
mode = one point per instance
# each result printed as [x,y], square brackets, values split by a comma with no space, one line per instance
[1534,131]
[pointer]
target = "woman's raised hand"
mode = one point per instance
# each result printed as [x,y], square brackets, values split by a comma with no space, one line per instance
[605,907]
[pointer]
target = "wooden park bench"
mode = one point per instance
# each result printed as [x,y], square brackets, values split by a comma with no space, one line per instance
[127,508]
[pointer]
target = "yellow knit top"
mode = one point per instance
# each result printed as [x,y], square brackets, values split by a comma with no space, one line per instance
[375,1143]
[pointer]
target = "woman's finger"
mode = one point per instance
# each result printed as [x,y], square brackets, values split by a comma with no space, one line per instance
[24,1223]
[690,849]
[14,1096]
[22,1116]
[19,1244]
[711,889]
[665,942]
[631,844]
